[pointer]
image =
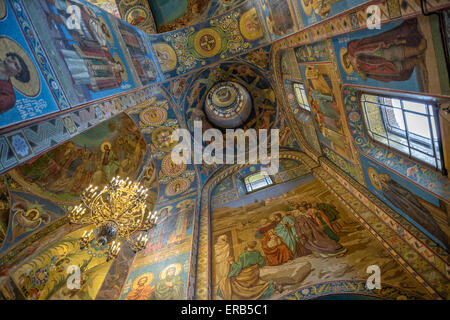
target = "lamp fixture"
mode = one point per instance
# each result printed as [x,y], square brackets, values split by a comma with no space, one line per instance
[118,213]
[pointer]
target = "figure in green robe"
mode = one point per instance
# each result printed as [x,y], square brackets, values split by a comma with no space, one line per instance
[243,282]
[171,287]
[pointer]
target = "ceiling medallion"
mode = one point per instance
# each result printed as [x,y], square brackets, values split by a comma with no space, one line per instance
[207,42]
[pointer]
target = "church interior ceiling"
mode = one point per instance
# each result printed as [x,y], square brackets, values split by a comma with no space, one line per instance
[100,86]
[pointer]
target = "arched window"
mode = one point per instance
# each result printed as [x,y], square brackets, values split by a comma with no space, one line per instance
[300,95]
[257,181]
[404,124]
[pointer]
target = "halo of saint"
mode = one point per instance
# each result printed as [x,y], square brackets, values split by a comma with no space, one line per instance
[373,176]
[177,267]
[147,277]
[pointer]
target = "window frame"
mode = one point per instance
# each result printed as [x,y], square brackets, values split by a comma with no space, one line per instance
[272,183]
[301,105]
[428,102]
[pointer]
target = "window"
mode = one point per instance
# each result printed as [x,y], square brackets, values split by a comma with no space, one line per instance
[300,94]
[257,181]
[406,125]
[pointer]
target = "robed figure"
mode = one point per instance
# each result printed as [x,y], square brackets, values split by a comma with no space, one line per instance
[388,56]
[313,237]
[243,282]
[274,248]
[93,67]
[12,66]
[322,219]
[285,229]
[170,287]
[222,254]
[142,290]
[403,199]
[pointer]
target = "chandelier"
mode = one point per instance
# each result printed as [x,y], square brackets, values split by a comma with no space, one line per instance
[117,212]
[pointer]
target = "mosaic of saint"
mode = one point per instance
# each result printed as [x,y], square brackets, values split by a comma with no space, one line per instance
[82,48]
[45,275]
[115,147]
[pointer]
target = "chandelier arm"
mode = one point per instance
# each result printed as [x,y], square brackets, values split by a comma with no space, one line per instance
[101,211]
[84,202]
[127,232]
[124,206]
[123,212]
[80,219]
[109,203]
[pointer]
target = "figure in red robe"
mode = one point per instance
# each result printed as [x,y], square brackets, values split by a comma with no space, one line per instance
[12,66]
[389,56]
[274,248]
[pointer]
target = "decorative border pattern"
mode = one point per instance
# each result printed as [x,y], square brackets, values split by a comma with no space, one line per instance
[349,287]
[355,19]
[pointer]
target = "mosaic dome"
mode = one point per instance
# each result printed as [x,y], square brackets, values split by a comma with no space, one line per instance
[228,104]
